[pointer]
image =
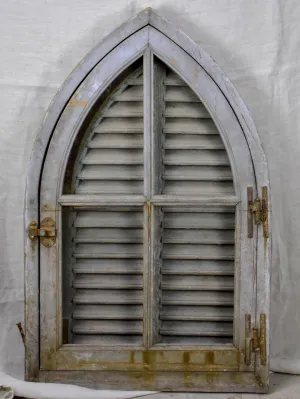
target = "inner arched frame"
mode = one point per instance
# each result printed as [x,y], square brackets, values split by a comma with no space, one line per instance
[179,153]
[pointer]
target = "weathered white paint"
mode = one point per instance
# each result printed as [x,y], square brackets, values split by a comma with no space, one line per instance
[65,133]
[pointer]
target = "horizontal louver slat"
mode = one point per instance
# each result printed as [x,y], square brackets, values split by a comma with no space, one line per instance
[124,282]
[94,297]
[196,313]
[124,109]
[110,187]
[180,236]
[189,126]
[200,298]
[111,172]
[107,340]
[131,93]
[96,327]
[199,188]
[108,236]
[108,312]
[172,79]
[175,251]
[196,283]
[198,267]
[180,94]
[200,220]
[108,266]
[195,157]
[120,125]
[117,140]
[185,110]
[197,173]
[109,219]
[113,156]
[193,142]
[197,328]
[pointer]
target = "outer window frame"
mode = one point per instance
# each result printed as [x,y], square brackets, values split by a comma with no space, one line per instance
[146,29]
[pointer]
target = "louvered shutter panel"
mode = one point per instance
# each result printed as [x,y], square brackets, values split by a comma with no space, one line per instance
[195,160]
[112,162]
[193,246]
[107,245]
[197,245]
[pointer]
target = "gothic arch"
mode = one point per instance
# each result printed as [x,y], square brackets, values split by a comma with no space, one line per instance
[77,96]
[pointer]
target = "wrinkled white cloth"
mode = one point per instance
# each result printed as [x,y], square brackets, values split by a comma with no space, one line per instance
[40,390]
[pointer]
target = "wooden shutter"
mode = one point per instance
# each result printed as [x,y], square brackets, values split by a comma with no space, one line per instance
[151,275]
[149,241]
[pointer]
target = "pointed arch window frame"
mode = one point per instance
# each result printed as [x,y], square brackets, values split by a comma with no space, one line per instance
[146,29]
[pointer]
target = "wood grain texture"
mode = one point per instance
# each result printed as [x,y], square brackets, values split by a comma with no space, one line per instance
[70,119]
[163,381]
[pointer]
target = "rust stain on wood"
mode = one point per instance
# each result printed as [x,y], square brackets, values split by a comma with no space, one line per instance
[78,103]
[186,358]
[210,358]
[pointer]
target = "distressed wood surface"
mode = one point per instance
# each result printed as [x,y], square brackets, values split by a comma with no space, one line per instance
[49,205]
[162,381]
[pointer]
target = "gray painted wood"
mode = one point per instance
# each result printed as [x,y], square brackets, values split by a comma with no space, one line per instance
[200,381]
[148,121]
[261,175]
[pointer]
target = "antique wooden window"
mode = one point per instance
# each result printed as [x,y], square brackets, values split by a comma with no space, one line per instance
[152,273]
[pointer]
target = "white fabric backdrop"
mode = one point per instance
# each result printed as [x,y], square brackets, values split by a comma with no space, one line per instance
[257,43]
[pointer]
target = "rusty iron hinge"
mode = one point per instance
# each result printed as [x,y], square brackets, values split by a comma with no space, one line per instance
[258,211]
[255,341]
[46,232]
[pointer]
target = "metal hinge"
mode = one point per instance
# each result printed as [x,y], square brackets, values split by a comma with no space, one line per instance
[258,211]
[46,232]
[255,341]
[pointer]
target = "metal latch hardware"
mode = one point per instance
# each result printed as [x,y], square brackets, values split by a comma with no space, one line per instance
[46,232]
[258,211]
[255,341]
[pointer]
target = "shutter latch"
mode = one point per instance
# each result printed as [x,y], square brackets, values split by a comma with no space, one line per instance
[255,341]
[46,232]
[258,211]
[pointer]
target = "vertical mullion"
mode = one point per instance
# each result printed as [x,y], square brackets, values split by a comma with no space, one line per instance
[155,275]
[146,275]
[157,137]
[147,76]
[157,108]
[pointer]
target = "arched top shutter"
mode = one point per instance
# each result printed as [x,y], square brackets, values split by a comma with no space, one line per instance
[112,159]
[152,272]
[193,256]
